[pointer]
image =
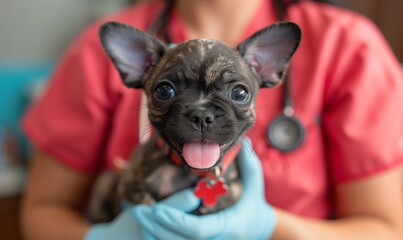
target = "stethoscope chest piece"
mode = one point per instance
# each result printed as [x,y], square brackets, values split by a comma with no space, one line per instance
[285,133]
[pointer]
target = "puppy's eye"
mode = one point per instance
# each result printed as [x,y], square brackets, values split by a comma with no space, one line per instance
[239,94]
[165,91]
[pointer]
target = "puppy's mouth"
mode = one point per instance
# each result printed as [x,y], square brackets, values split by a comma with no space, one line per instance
[202,155]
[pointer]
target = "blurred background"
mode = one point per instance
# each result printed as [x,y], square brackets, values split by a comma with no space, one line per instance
[33,36]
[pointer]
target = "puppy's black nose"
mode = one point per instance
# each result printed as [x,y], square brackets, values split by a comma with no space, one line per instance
[201,119]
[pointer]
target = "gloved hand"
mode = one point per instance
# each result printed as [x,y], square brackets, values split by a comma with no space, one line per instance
[250,218]
[125,226]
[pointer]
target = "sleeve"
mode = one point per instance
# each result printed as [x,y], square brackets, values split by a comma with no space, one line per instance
[70,121]
[363,114]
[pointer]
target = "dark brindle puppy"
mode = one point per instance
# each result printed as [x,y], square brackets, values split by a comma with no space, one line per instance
[200,96]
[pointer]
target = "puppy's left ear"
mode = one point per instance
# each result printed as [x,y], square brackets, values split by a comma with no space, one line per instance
[269,51]
[133,52]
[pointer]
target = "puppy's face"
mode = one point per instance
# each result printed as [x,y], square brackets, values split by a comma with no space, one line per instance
[201,98]
[201,93]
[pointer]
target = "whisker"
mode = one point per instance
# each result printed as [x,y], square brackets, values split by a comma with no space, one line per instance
[145,137]
[133,108]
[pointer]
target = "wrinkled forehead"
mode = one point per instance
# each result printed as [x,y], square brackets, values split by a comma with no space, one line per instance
[202,59]
[202,48]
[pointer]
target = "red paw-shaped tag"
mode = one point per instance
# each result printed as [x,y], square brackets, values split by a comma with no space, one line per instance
[209,191]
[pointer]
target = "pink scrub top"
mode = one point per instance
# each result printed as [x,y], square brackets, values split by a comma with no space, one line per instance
[347,88]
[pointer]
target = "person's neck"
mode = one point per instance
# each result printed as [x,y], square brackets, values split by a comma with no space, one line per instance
[223,20]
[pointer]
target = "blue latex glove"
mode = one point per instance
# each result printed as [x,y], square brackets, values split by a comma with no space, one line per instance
[250,218]
[125,226]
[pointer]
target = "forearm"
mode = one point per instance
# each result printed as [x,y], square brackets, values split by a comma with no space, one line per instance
[292,227]
[54,199]
[53,221]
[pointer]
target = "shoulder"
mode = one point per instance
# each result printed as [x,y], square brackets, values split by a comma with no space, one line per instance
[343,43]
[325,22]
[138,15]
[85,64]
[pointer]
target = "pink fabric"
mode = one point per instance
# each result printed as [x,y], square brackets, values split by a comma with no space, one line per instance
[346,85]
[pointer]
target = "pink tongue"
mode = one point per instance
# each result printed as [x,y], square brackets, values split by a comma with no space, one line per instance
[201,155]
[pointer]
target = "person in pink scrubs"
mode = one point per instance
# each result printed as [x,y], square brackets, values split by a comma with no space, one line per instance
[343,182]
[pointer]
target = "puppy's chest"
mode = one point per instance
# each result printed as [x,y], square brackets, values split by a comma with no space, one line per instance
[154,174]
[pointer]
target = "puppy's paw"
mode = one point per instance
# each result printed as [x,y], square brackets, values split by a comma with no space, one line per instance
[142,198]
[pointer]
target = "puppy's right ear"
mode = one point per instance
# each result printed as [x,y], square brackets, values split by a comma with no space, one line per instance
[132,51]
[269,51]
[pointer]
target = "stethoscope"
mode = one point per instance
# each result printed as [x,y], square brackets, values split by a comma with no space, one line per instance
[285,132]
